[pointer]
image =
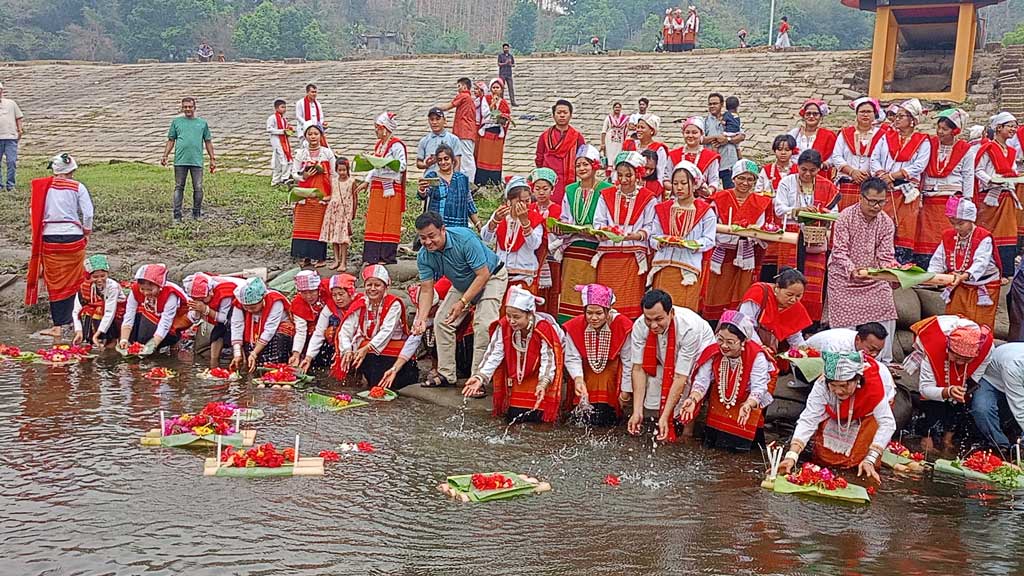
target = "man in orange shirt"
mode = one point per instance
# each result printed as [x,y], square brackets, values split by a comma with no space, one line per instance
[464,126]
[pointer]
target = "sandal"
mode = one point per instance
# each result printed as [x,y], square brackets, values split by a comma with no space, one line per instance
[435,381]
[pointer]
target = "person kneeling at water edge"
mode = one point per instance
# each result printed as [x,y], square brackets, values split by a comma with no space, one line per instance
[524,359]
[848,414]
[374,335]
[311,298]
[156,311]
[342,303]
[597,355]
[211,301]
[260,326]
[665,344]
[99,305]
[744,377]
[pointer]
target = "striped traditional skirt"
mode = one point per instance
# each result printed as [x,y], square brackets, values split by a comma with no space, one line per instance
[932,222]
[849,194]
[490,153]
[905,215]
[724,291]
[576,269]
[964,301]
[307,220]
[620,271]
[670,280]
[1001,221]
[383,224]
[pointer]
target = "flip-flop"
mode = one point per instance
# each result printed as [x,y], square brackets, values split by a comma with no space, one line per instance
[435,381]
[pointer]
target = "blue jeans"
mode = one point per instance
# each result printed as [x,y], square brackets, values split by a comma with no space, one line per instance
[9,148]
[988,406]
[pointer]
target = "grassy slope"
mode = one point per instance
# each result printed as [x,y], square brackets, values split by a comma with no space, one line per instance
[133,214]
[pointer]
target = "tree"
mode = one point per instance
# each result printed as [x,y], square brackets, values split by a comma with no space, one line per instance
[1014,37]
[293,24]
[257,34]
[315,42]
[522,26]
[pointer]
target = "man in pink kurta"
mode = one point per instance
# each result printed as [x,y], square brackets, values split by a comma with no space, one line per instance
[863,237]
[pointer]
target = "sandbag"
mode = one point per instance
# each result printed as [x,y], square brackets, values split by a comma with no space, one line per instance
[908,308]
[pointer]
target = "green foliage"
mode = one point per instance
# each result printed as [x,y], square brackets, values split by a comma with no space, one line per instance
[429,39]
[821,42]
[315,42]
[522,26]
[1014,37]
[257,34]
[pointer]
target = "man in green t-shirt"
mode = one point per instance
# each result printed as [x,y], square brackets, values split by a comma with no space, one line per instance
[187,136]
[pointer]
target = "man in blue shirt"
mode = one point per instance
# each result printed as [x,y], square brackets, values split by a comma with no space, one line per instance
[438,135]
[478,279]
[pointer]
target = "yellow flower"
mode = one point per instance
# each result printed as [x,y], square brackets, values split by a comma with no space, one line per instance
[202,431]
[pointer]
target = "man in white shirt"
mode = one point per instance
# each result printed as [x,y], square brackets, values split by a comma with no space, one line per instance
[10,134]
[308,109]
[668,338]
[868,338]
[280,131]
[1000,393]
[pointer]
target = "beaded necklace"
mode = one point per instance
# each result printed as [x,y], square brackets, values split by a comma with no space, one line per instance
[951,371]
[959,260]
[520,344]
[598,344]
[727,398]
[373,312]
[849,415]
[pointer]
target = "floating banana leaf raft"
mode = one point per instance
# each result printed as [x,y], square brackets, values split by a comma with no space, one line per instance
[304,467]
[852,492]
[389,395]
[461,488]
[951,467]
[330,404]
[244,439]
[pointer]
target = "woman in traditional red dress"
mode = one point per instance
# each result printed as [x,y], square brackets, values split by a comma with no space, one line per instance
[549,279]
[490,151]
[312,167]
[743,375]
[733,264]
[525,360]
[998,202]
[598,357]
[706,159]
[779,316]
[768,181]
[854,147]
[848,416]
[626,211]
[950,173]
[810,133]
[387,195]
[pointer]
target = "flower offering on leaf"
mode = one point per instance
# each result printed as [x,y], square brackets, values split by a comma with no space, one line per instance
[811,474]
[280,374]
[9,351]
[289,454]
[214,418]
[64,353]
[160,373]
[341,400]
[917,457]
[770,227]
[612,480]
[329,456]
[263,456]
[984,462]
[135,348]
[378,392]
[491,482]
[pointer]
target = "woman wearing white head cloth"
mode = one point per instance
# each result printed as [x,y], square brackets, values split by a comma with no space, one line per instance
[60,215]
[211,301]
[387,195]
[312,167]
[706,159]
[517,233]
[998,201]
[900,159]
[848,415]
[628,213]
[579,207]
[743,375]
[683,230]
[646,129]
[966,252]
[524,361]
[950,173]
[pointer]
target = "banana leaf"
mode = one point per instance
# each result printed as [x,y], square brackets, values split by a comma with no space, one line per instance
[817,216]
[25,357]
[564,228]
[907,278]
[249,414]
[812,368]
[177,440]
[324,401]
[852,493]
[389,395]
[950,467]
[892,460]
[301,379]
[691,244]
[298,194]
[464,484]
[285,282]
[366,163]
[255,472]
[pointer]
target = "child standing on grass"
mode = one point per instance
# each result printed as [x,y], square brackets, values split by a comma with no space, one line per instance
[341,210]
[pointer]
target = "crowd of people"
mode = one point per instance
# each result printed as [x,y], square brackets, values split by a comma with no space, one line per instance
[626,283]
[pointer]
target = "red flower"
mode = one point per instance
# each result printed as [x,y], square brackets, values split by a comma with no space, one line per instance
[612,480]
[10,351]
[364,447]
[135,348]
[377,392]
[984,462]
[871,490]
[329,456]
[222,373]
[289,454]
[917,456]
[491,482]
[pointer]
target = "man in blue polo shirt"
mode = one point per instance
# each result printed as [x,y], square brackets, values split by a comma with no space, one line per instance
[478,279]
[438,135]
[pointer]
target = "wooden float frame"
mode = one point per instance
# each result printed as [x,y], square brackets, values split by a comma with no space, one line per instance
[305,466]
[152,439]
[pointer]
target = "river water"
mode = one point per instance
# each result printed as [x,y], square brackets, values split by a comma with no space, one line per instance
[79,495]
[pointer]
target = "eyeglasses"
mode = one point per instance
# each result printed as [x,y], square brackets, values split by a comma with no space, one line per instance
[814,114]
[875,203]
[903,116]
